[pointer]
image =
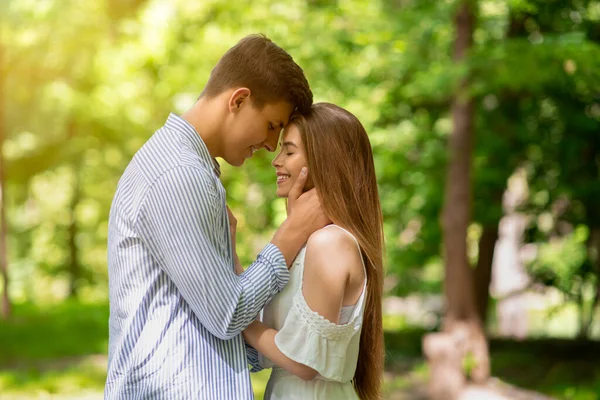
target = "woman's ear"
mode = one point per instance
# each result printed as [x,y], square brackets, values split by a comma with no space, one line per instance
[238,98]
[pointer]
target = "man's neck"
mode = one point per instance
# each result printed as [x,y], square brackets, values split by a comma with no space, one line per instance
[203,116]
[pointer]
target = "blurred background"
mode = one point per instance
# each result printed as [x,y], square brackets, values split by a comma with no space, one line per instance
[83,84]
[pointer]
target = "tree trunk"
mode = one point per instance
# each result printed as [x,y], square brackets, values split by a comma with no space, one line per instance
[74,265]
[483,272]
[457,206]
[593,245]
[595,308]
[462,334]
[5,308]
[583,324]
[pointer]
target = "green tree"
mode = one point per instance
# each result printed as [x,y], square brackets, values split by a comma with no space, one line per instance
[6,306]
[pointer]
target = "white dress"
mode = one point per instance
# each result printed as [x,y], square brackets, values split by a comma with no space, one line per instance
[308,338]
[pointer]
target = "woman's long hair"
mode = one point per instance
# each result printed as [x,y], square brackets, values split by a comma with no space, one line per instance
[340,164]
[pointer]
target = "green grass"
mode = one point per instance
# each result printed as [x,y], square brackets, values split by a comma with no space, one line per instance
[259,383]
[64,330]
[564,369]
[84,379]
[59,352]
[83,376]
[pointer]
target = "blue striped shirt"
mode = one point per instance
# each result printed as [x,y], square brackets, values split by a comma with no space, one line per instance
[176,306]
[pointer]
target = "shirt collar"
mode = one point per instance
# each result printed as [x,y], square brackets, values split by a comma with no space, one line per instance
[180,125]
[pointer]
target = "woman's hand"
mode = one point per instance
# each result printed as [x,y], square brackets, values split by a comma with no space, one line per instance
[232,232]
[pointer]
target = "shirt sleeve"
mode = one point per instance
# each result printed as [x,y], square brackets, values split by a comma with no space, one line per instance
[180,222]
[252,356]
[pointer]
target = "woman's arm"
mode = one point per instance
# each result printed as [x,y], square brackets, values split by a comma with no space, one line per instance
[262,338]
[329,256]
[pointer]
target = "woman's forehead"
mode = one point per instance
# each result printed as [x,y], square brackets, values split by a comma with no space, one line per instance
[291,133]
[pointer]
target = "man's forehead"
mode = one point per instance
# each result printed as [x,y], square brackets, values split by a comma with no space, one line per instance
[280,113]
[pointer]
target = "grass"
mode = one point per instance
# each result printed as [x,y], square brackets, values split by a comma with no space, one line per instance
[561,368]
[59,352]
[83,377]
[64,330]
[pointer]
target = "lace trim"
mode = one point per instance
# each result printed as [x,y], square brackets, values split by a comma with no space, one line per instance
[321,325]
[299,260]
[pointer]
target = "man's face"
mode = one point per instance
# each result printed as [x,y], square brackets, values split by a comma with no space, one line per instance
[249,129]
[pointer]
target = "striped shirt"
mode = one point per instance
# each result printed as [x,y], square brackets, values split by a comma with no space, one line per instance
[176,306]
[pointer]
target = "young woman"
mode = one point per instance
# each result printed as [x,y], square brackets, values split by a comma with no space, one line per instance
[322,334]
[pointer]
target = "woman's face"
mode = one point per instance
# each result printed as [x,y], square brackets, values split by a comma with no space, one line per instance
[289,162]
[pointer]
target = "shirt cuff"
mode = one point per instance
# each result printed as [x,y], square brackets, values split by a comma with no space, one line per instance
[253,358]
[272,256]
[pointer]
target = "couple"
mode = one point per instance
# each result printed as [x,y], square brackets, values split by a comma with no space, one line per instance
[183,311]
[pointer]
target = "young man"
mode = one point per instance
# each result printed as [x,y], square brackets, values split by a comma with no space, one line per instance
[176,305]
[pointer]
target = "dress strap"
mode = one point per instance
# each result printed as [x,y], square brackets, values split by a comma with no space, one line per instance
[357,245]
[358,307]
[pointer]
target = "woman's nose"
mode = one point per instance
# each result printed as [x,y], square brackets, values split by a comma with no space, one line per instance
[276,162]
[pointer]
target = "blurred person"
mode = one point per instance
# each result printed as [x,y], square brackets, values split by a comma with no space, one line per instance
[177,306]
[323,334]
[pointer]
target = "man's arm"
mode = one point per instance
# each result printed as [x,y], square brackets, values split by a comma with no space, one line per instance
[179,224]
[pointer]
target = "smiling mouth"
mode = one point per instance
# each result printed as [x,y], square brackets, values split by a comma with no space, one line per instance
[282,178]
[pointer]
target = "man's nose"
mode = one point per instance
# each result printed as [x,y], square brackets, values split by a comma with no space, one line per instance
[268,146]
[271,143]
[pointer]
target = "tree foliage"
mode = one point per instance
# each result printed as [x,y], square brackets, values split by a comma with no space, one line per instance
[86,83]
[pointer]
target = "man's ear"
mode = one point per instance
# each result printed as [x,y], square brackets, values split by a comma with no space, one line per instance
[238,98]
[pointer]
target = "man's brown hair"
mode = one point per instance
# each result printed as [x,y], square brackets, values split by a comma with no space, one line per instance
[270,73]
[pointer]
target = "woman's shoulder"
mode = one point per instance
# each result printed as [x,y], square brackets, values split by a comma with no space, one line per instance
[331,235]
[334,246]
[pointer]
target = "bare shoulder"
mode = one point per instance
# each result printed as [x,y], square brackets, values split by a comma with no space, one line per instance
[330,238]
[333,252]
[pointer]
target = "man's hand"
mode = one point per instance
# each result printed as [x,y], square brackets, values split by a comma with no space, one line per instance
[232,232]
[306,207]
[305,216]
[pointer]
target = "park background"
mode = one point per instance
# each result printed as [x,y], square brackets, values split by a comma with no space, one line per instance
[484,117]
